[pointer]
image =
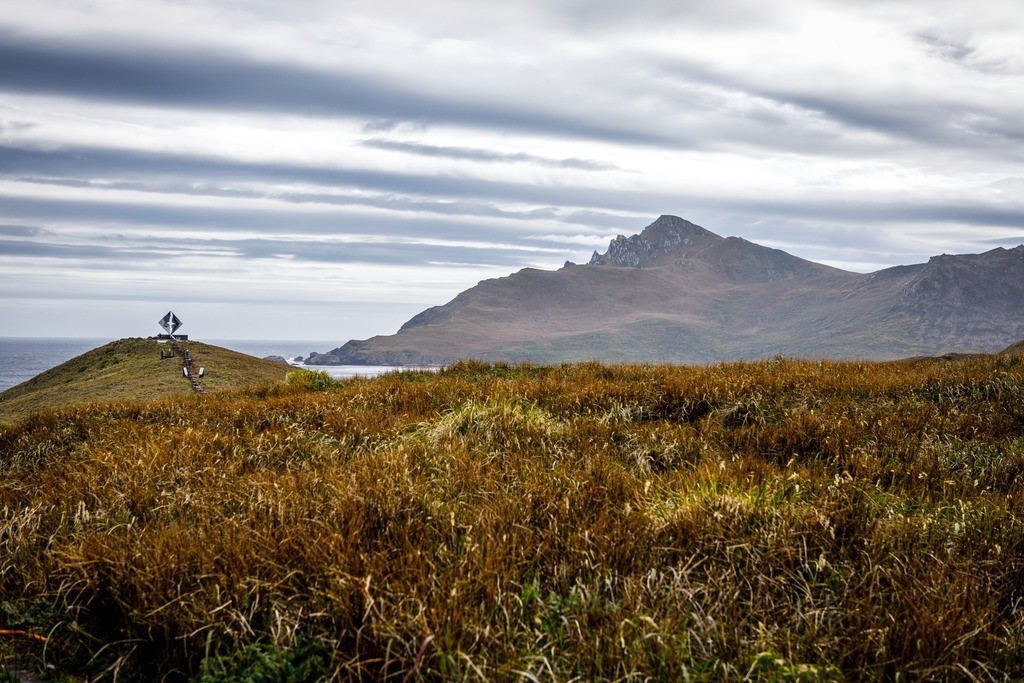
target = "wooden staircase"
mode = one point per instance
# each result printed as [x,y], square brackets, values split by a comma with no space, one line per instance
[186,359]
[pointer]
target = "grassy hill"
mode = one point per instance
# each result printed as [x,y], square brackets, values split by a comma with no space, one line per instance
[131,370]
[776,521]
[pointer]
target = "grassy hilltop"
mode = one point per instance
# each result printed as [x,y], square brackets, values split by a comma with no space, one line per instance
[132,370]
[780,520]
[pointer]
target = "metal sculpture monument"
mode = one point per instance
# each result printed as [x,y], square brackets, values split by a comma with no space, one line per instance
[170,323]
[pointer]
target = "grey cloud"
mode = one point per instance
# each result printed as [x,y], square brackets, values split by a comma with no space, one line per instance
[21,231]
[1012,241]
[768,119]
[960,52]
[246,219]
[214,80]
[605,220]
[381,126]
[820,240]
[385,201]
[88,163]
[154,186]
[386,253]
[166,250]
[27,248]
[49,289]
[381,201]
[859,214]
[15,126]
[400,192]
[728,15]
[999,129]
[935,121]
[700,210]
[945,47]
[1012,184]
[476,154]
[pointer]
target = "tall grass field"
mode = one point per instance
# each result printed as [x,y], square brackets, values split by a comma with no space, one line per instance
[780,520]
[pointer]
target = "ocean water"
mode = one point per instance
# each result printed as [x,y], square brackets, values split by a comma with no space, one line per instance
[22,358]
[292,349]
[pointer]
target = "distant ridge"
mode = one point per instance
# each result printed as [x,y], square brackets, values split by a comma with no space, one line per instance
[133,370]
[677,292]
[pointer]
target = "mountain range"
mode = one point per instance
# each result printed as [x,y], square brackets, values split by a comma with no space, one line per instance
[677,292]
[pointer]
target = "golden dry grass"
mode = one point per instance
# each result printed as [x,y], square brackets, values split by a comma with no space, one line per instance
[780,520]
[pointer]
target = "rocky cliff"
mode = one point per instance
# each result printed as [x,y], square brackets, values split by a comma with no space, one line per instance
[666,237]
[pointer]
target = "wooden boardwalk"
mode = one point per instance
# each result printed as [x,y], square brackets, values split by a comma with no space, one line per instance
[189,374]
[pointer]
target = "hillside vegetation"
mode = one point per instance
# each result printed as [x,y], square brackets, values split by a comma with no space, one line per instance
[779,520]
[132,370]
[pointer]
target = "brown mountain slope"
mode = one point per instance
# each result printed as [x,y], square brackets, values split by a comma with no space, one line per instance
[973,298]
[1015,349]
[679,293]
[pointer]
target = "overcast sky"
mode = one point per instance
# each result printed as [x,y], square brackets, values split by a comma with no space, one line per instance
[314,169]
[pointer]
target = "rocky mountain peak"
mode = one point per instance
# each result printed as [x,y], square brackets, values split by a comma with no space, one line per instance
[667,236]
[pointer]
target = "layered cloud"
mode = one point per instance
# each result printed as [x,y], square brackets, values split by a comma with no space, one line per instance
[246,156]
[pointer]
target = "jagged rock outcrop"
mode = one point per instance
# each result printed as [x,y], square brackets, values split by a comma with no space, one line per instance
[664,236]
[276,359]
[677,292]
[315,358]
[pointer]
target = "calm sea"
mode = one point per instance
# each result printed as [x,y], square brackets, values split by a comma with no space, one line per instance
[22,358]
